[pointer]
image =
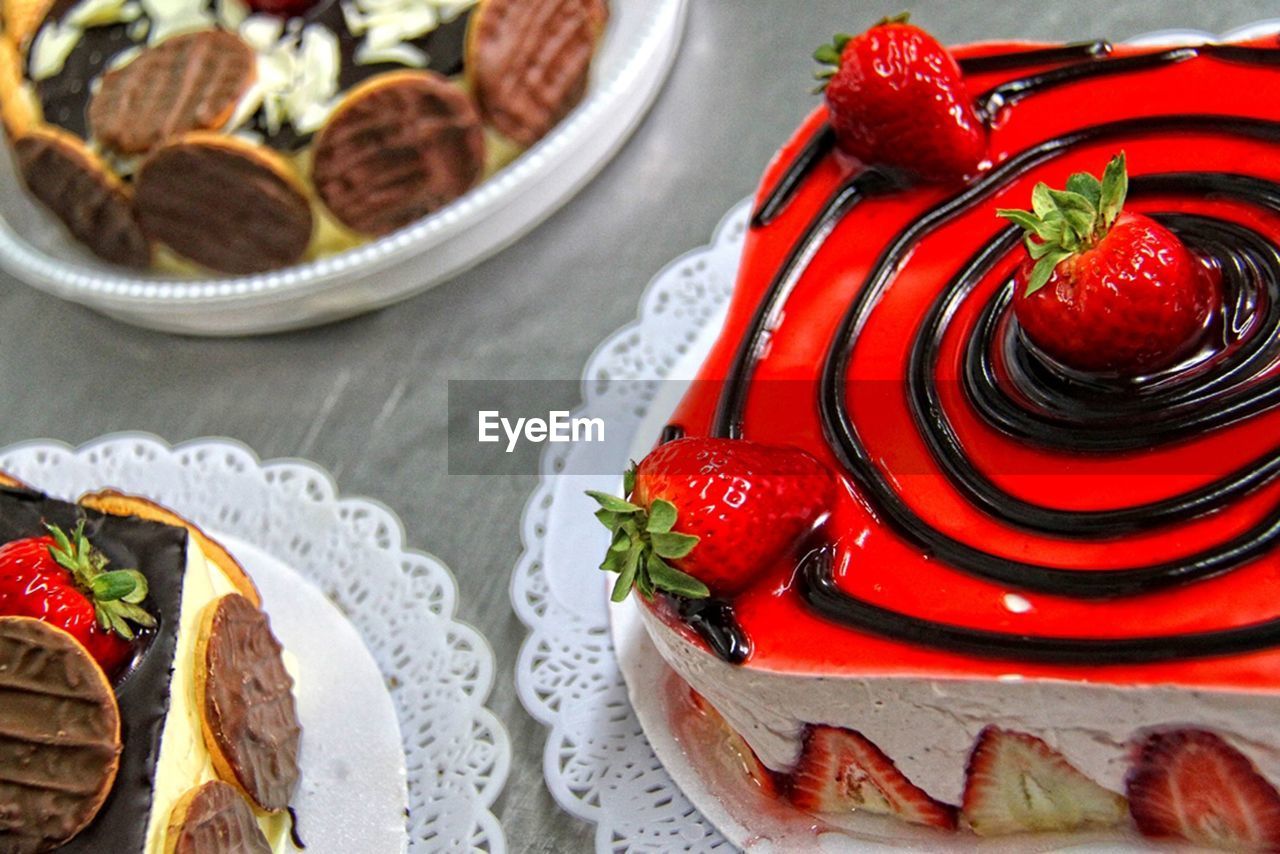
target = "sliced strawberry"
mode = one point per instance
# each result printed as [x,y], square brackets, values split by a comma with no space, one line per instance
[737,751]
[841,771]
[1191,784]
[1015,783]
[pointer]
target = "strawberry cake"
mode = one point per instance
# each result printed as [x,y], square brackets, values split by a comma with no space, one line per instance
[970,519]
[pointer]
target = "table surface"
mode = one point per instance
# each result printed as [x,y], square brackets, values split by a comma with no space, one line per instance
[366,398]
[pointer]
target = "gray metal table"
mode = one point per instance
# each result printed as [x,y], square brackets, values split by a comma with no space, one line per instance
[366,399]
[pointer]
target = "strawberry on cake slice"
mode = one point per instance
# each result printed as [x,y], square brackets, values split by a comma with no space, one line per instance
[972,517]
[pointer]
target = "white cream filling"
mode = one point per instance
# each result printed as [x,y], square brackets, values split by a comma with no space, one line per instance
[184,761]
[928,726]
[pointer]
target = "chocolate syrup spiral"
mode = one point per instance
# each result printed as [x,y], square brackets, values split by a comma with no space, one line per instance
[1028,398]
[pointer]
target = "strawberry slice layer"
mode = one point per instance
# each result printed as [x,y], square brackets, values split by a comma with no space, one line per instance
[1016,783]
[841,771]
[736,750]
[1191,784]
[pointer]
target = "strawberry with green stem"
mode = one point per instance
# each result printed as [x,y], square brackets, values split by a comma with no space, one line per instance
[897,99]
[1103,289]
[63,580]
[707,517]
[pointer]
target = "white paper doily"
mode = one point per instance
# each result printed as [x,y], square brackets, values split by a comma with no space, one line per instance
[438,671]
[597,762]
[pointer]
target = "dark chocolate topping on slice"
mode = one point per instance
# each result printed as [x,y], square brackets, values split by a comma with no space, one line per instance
[59,736]
[399,147]
[186,83]
[159,553]
[248,707]
[223,203]
[214,819]
[74,183]
[528,61]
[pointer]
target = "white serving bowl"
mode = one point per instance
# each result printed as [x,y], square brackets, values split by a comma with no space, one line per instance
[638,49]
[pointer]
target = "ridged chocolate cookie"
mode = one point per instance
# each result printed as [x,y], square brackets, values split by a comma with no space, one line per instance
[187,83]
[398,147]
[214,819]
[77,186]
[528,61]
[59,736]
[245,698]
[228,204]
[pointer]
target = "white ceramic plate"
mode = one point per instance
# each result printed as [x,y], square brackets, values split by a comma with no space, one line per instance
[391,688]
[638,49]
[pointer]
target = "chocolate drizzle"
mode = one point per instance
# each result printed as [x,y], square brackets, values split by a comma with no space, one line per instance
[715,623]
[1039,404]
[159,552]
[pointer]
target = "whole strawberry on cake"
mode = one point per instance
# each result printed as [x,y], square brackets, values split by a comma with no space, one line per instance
[972,518]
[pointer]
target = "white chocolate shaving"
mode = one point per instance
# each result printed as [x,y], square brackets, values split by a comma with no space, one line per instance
[52,46]
[388,27]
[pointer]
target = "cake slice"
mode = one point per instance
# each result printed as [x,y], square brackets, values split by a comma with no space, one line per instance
[1038,588]
[152,673]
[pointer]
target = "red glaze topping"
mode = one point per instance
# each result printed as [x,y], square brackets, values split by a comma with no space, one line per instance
[999,518]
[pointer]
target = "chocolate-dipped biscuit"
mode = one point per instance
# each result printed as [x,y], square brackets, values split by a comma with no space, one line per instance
[228,204]
[59,736]
[245,698]
[73,182]
[117,503]
[528,61]
[397,147]
[214,819]
[187,83]
[10,481]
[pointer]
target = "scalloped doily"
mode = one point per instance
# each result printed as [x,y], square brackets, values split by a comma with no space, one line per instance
[438,671]
[597,762]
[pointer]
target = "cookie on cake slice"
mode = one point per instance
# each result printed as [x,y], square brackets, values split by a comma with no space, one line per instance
[133,580]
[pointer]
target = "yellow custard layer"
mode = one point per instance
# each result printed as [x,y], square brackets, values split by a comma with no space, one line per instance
[184,761]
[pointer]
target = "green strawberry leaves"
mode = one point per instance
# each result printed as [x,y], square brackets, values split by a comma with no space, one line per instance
[116,594]
[828,55]
[1063,223]
[643,541]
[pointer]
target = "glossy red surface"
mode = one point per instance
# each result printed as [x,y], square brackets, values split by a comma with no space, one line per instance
[883,568]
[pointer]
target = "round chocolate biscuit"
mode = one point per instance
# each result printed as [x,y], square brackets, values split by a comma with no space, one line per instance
[398,147]
[187,83]
[59,736]
[245,698]
[77,186]
[529,60]
[214,819]
[225,203]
